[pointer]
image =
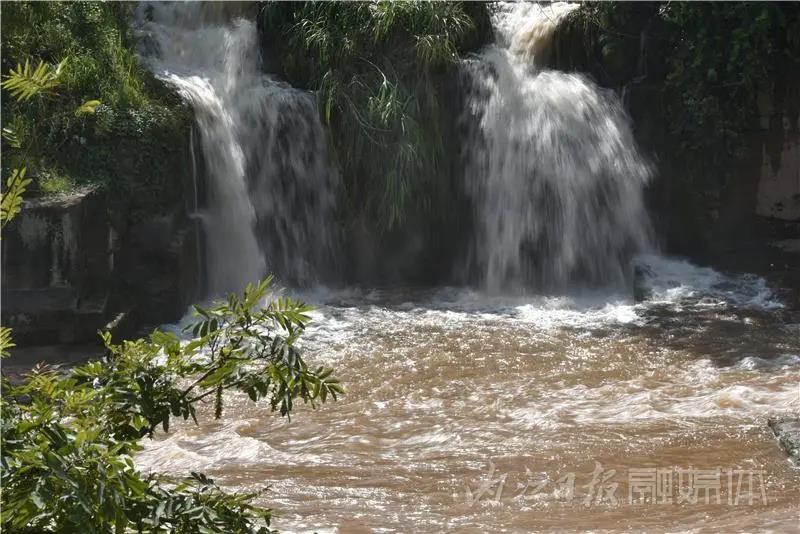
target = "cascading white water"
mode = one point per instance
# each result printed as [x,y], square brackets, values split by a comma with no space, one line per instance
[443,384]
[551,165]
[270,194]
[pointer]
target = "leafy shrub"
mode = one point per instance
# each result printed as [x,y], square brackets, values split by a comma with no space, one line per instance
[24,84]
[52,183]
[136,146]
[719,56]
[68,440]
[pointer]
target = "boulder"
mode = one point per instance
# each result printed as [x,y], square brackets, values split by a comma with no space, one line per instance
[787,430]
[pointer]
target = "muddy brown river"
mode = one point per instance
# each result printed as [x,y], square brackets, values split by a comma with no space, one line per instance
[471,413]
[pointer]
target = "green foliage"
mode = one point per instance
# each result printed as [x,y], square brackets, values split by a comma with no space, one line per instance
[719,56]
[6,342]
[68,439]
[11,203]
[133,144]
[713,57]
[25,82]
[376,68]
[93,35]
[53,183]
[90,106]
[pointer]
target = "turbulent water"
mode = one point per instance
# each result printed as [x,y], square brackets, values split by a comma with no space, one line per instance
[269,191]
[442,385]
[552,166]
[469,410]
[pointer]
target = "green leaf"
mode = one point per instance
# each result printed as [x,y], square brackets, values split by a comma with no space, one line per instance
[11,137]
[25,82]
[87,107]
[11,198]
[6,342]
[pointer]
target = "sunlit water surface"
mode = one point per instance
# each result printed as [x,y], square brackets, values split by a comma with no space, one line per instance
[449,389]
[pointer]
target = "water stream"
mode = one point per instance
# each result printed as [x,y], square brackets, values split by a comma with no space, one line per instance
[444,384]
[270,193]
[472,410]
[552,165]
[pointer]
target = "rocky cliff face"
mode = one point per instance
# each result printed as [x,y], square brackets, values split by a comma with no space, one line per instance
[778,193]
[760,199]
[752,198]
[57,265]
[69,269]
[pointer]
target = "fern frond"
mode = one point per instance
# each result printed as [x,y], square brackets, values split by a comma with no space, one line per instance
[11,198]
[11,137]
[25,82]
[5,341]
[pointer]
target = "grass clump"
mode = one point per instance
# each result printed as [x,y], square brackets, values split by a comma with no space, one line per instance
[378,69]
[53,183]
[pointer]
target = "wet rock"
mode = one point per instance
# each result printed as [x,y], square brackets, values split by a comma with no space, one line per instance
[641,290]
[57,268]
[791,246]
[57,357]
[787,430]
[61,241]
[52,315]
[159,265]
[778,186]
[68,268]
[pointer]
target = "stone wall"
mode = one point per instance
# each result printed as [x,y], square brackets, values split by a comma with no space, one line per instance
[57,265]
[67,269]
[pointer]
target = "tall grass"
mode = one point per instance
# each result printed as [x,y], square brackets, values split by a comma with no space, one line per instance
[376,67]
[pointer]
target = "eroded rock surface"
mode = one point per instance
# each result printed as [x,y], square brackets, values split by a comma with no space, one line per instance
[787,430]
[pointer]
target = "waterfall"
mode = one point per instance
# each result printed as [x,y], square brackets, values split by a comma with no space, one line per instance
[551,165]
[270,194]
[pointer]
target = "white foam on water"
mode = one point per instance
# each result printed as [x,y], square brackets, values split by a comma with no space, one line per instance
[213,447]
[446,377]
[674,281]
[754,362]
